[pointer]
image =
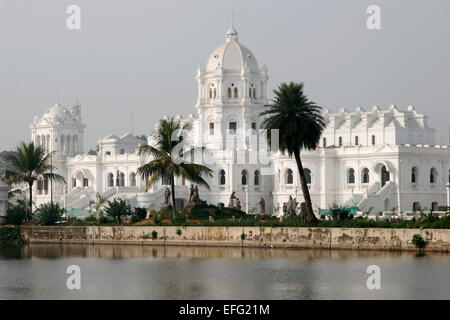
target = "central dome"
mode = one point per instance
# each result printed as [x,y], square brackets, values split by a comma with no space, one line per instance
[232,55]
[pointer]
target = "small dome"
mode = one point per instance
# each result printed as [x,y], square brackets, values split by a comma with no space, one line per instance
[57,114]
[232,55]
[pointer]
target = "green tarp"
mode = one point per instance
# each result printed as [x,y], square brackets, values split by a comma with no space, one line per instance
[353,211]
[78,213]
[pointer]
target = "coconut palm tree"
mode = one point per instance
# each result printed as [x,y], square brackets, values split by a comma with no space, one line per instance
[300,124]
[167,157]
[27,164]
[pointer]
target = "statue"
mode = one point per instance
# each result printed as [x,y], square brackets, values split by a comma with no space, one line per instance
[238,204]
[231,202]
[166,196]
[262,206]
[291,206]
[195,197]
[191,192]
[166,206]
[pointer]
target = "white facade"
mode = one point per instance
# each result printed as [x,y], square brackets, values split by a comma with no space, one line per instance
[379,159]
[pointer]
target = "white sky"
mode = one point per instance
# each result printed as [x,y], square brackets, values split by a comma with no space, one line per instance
[141,57]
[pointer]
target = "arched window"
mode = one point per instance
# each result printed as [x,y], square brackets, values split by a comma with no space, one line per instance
[254,129]
[289,176]
[351,176]
[233,127]
[414,175]
[324,142]
[211,128]
[373,140]
[385,176]
[433,175]
[356,141]
[229,93]
[165,180]
[256,178]
[307,175]
[210,93]
[235,92]
[68,145]
[215,93]
[416,206]
[222,177]
[365,175]
[340,141]
[74,144]
[244,177]
[85,182]
[110,180]
[133,179]
[122,179]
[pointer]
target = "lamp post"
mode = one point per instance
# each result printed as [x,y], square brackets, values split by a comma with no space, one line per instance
[246,199]
[448,197]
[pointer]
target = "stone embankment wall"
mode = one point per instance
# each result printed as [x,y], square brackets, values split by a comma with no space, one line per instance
[286,237]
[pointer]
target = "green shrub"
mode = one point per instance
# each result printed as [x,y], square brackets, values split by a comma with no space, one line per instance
[117,209]
[48,214]
[242,236]
[418,241]
[154,234]
[18,214]
[340,213]
[179,232]
[10,235]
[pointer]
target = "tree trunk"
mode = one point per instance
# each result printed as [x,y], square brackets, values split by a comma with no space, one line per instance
[311,218]
[172,182]
[30,184]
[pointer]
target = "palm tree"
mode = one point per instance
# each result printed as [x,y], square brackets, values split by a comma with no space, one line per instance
[167,157]
[27,164]
[300,124]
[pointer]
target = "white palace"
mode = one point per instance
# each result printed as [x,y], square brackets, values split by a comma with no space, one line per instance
[376,159]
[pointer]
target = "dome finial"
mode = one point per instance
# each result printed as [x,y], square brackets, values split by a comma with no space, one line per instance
[232,34]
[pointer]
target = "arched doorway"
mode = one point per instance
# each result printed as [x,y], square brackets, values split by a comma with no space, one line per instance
[385,176]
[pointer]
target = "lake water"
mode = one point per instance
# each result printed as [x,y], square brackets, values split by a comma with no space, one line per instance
[147,272]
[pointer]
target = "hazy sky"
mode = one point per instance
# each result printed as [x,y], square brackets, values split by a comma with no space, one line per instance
[141,57]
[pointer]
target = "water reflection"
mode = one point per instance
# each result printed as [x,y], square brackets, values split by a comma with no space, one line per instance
[53,251]
[157,272]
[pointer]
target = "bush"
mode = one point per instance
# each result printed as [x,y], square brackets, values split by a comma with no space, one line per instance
[154,234]
[340,213]
[139,214]
[179,232]
[242,236]
[48,214]
[10,235]
[117,209]
[18,214]
[418,241]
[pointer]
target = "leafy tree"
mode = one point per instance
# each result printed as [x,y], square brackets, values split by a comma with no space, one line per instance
[18,213]
[117,209]
[49,214]
[300,124]
[27,164]
[167,157]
